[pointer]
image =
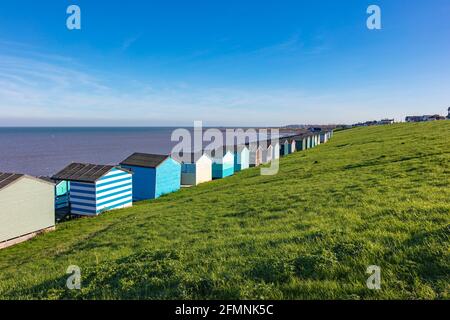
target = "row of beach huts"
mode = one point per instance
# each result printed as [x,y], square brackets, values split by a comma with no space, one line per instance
[28,204]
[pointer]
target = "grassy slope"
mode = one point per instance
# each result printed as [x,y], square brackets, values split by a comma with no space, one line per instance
[376,195]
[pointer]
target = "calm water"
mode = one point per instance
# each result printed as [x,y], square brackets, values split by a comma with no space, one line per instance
[44,151]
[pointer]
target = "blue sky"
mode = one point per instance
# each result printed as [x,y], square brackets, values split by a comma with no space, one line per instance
[228,62]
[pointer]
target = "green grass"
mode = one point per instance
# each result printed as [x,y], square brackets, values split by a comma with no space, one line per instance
[371,196]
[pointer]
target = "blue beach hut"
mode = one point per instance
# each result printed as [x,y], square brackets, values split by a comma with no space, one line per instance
[95,189]
[153,175]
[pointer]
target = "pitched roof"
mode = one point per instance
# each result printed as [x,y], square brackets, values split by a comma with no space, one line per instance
[7,178]
[145,160]
[83,172]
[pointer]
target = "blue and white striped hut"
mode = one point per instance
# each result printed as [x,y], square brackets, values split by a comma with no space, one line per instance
[95,189]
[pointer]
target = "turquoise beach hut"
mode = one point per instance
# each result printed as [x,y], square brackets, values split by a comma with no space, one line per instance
[154,175]
[62,189]
[223,162]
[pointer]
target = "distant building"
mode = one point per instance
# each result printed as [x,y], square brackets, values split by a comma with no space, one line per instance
[386,121]
[424,118]
[374,123]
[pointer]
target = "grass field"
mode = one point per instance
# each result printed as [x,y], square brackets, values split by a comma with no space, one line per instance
[371,196]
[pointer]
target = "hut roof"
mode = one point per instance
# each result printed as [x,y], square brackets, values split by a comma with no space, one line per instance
[83,172]
[7,178]
[145,160]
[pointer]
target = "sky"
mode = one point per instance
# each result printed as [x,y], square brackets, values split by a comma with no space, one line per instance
[226,63]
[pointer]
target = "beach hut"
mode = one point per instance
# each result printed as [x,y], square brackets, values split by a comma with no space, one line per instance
[255,154]
[154,175]
[95,189]
[317,139]
[300,143]
[27,207]
[309,143]
[292,148]
[284,146]
[223,162]
[241,157]
[196,168]
[62,194]
[275,149]
[62,189]
[266,152]
[324,137]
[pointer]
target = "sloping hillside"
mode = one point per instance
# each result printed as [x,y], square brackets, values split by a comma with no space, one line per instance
[371,196]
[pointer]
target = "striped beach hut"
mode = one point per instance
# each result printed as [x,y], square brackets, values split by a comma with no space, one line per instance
[95,189]
[154,175]
[266,152]
[223,162]
[255,154]
[27,208]
[241,157]
[196,168]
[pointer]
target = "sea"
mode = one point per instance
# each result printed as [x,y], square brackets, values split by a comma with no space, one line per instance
[44,151]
